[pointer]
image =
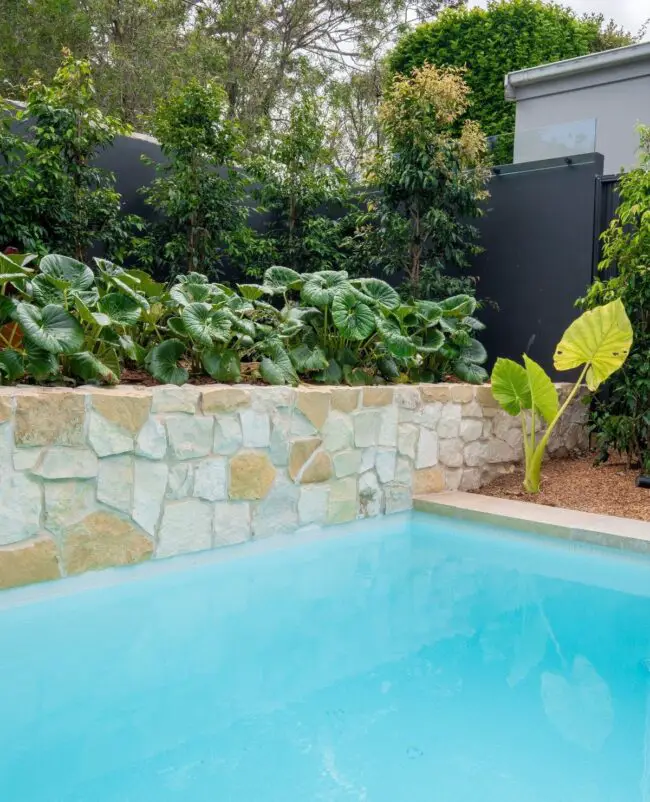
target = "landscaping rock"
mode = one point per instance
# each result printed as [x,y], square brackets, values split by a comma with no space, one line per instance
[102,540]
[25,563]
[49,418]
[231,523]
[251,476]
[190,436]
[186,527]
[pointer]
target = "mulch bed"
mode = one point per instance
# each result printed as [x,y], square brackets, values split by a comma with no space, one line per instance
[578,484]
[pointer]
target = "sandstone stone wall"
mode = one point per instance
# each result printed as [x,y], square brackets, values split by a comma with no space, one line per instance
[94,477]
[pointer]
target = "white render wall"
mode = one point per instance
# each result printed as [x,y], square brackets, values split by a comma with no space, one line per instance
[95,477]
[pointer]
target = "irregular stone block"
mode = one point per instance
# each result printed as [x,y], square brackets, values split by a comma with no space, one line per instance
[407,439]
[251,475]
[377,396]
[338,433]
[312,504]
[150,484]
[318,469]
[115,483]
[256,428]
[231,523]
[210,479]
[371,498]
[29,562]
[223,399]
[186,527]
[127,409]
[471,430]
[268,399]
[403,472]
[24,459]
[181,481]
[428,480]
[407,397]
[347,463]
[66,503]
[448,427]
[453,478]
[368,457]
[435,392]
[152,440]
[170,398]
[472,410]
[462,393]
[106,438]
[66,463]
[483,394]
[6,408]
[475,454]
[277,514]
[103,540]
[471,479]
[345,399]
[498,451]
[366,428]
[300,426]
[50,418]
[397,498]
[314,405]
[227,435]
[342,502]
[450,453]
[385,464]
[301,451]
[190,436]
[20,507]
[427,450]
[280,436]
[429,416]
[387,433]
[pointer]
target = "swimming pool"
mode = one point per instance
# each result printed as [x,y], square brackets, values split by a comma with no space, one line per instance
[411,659]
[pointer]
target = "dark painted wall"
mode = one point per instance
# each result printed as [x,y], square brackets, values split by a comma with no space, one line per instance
[538,240]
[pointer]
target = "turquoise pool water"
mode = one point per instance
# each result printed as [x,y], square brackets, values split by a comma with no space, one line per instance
[407,660]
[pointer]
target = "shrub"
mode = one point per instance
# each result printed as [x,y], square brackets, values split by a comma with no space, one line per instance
[620,415]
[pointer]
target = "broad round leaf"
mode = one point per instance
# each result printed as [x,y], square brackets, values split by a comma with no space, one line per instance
[162,361]
[144,283]
[470,372]
[542,390]
[12,366]
[204,325]
[510,386]
[40,364]
[474,351]
[332,374]
[600,338]
[308,360]
[67,272]
[251,292]
[90,367]
[396,343]
[50,328]
[187,293]
[433,341]
[458,306]
[223,366]
[319,288]
[44,291]
[282,278]
[352,317]
[378,291]
[122,310]
[429,311]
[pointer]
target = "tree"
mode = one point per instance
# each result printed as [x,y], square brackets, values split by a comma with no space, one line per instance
[52,175]
[428,180]
[302,189]
[199,192]
[508,35]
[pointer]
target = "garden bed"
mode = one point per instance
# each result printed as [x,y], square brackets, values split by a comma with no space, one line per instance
[578,484]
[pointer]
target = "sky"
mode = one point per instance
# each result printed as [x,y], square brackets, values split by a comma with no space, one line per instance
[629,13]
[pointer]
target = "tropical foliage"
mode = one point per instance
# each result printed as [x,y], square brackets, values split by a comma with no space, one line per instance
[64,321]
[598,342]
[620,414]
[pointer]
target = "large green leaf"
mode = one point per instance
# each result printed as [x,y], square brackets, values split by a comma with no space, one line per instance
[458,306]
[470,372]
[396,343]
[50,328]
[223,366]
[429,311]
[432,342]
[510,386]
[282,279]
[474,351]
[121,310]
[276,366]
[13,267]
[144,283]
[308,360]
[91,368]
[40,364]
[378,291]
[118,277]
[600,338]
[352,317]
[205,325]
[251,292]
[162,362]
[542,390]
[319,288]
[44,291]
[7,308]
[12,366]
[67,272]
[332,374]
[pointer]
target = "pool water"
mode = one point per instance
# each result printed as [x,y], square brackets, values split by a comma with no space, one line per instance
[411,659]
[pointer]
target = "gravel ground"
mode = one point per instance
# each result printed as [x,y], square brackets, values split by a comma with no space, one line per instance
[579,485]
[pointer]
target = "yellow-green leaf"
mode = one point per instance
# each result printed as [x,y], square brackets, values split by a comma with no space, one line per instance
[542,390]
[600,338]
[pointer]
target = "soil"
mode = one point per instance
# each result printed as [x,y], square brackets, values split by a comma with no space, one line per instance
[578,484]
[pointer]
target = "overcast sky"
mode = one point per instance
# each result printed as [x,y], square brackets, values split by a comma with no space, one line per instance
[629,13]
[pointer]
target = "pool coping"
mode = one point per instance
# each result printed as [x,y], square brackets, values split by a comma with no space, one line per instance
[628,534]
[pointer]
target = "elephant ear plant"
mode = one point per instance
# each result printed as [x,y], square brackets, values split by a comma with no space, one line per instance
[598,342]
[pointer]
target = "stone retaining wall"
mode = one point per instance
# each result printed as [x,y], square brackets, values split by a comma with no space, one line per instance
[94,477]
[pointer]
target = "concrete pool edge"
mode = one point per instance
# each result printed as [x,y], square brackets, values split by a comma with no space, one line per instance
[602,530]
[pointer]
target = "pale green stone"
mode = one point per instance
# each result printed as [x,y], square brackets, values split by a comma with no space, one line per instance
[150,483]
[186,527]
[115,482]
[190,436]
[66,463]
